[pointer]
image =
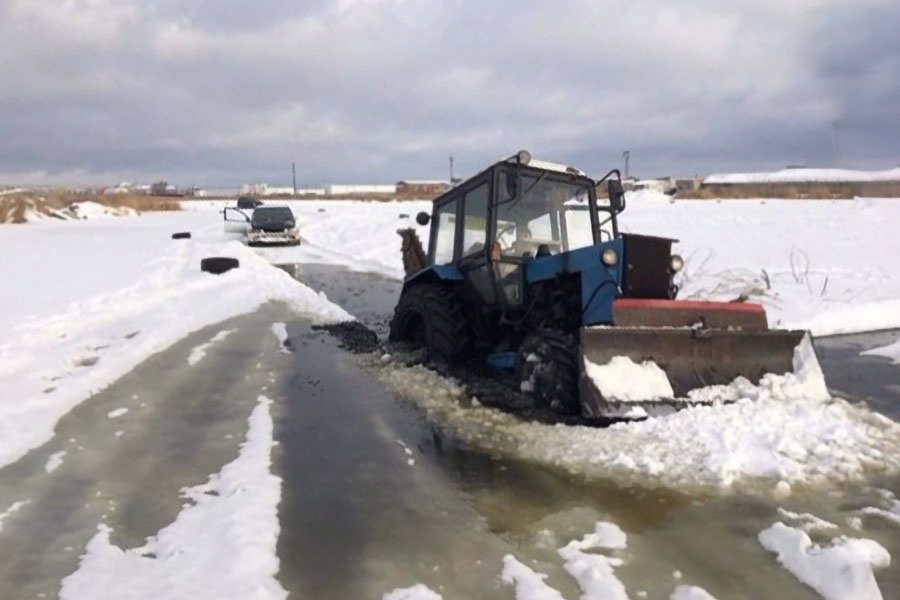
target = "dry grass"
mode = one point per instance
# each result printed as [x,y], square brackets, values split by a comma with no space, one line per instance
[796,191]
[14,207]
[135,202]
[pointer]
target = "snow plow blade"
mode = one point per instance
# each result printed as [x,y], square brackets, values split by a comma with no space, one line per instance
[688,358]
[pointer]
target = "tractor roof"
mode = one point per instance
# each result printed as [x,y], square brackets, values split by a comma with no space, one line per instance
[552,166]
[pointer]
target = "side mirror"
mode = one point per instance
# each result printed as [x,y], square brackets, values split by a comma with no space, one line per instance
[616,195]
[423,218]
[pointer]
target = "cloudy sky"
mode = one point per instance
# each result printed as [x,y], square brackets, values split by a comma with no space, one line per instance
[216,92]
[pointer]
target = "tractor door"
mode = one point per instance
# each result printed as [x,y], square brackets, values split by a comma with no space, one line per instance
[442,245]
[506,230]
[475,262]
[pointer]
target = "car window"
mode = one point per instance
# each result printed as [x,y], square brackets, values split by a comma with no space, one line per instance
[273,214]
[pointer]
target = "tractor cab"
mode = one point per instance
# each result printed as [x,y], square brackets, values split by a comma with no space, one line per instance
[517,212]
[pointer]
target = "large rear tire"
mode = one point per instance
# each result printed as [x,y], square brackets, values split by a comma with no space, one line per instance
[431,315]
[547,370]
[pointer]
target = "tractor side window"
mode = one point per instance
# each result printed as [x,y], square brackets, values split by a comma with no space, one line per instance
[578,229]
[446,234]
[475,226]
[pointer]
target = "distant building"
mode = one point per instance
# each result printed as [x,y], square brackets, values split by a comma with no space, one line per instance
[160,188]
[423,188]
[125,187]
[217,192]
[335,189]
[657,185]
[310,191]
[264,189]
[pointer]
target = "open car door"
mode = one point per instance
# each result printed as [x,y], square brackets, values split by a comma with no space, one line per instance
[236,220]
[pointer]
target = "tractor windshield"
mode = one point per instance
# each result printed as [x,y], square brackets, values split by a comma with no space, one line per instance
[550,215]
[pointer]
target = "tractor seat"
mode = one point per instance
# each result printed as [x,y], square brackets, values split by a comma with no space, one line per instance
[536,249]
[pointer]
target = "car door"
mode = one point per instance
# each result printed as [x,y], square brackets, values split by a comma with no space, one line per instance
[236,220]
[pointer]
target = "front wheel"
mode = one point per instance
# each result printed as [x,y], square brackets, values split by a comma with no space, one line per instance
[547,370]
[431,315]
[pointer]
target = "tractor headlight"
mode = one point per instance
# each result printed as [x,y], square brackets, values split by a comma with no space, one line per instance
[609,257]
[676,263]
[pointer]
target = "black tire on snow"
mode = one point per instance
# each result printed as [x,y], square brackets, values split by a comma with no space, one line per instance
[181,235]
[219,264]
[547,370]
[431,315]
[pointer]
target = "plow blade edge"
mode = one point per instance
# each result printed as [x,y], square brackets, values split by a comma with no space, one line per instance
[689,358]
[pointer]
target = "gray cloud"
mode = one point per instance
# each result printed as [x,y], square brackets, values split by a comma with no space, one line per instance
[377,90]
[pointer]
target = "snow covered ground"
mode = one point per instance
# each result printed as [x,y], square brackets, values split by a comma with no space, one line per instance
[92,298]
[89,300]
[85,301]
[826,266]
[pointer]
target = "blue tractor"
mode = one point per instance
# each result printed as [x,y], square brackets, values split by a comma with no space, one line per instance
[526,268]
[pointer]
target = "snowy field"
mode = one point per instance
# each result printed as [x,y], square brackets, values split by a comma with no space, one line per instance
[86,301]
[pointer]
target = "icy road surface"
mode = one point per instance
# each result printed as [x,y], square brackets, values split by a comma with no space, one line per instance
[373,497]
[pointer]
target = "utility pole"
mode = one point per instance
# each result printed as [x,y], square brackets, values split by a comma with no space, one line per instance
[294,176]
[626,155]
[451,169]
[835,143]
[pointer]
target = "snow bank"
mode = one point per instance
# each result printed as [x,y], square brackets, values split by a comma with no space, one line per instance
[787,429]
[60,346]
[841,571]
[37,209]
[223,546]
[93,210]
